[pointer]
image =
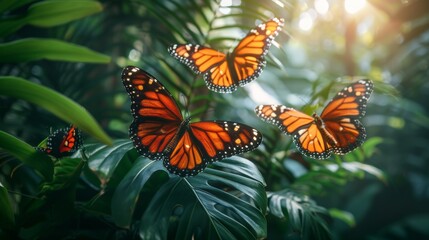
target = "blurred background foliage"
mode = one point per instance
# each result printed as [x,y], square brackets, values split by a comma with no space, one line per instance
[78,49]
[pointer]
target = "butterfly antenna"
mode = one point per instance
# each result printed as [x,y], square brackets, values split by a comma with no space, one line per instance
[187,100]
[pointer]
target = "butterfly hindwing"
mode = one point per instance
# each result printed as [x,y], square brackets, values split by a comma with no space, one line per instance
[225,72]
[249,56]
[160,132]
[208,141]
[337,129]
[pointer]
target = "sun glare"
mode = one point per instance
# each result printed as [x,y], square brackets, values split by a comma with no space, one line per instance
[354,6]
[225,6]
[305,21]
[321,6]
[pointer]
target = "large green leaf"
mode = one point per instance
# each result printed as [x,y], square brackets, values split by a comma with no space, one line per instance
[127,193]
[66,173]
[50,13]
[60,105]
[225,201]
[53,13]
[32,49]
[103,159]
[303,214]
[27,154]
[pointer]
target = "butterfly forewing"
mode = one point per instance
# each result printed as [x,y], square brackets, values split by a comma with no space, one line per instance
[71,140]
[287,119]
[349,102]
[342,113]
[156,114]
[222,72]
[248,56]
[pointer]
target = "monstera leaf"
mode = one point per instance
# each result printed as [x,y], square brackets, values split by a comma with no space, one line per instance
[303,214]
[226,201]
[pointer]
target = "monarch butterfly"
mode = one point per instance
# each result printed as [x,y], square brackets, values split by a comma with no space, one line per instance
[336,130]
[159,131]
[224,72]
[63,142]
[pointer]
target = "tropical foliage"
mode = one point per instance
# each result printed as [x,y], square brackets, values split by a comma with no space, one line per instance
[61,63]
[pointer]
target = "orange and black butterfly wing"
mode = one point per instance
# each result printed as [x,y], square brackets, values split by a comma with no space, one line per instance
[306,135]
[341,116]
[156,115]
[209,62]
[209,141]
[248,58]
[63,142]
[71,141]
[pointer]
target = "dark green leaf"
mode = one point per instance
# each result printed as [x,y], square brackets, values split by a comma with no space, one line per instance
[26,153]
[223,202]
[343,216]
[49,13]
[127,193]
[52,13]
[210,203]
[303,214]
[7,217]
[9,5]
[60,105]
[66,173]
[103,160]
[32,49]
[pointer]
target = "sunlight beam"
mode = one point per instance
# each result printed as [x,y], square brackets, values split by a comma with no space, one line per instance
[354,6]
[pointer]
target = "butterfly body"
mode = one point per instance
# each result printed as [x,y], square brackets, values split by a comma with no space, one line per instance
[225,72]
[160,132]
[337,129]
